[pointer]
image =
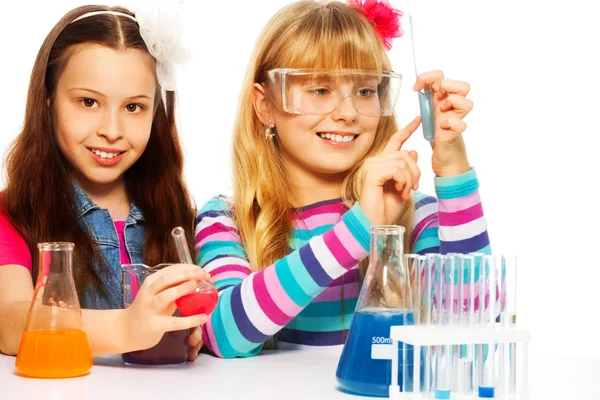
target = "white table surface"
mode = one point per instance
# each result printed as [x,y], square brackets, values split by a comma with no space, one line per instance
[303,373]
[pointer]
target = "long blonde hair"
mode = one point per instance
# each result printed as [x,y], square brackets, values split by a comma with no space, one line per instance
[305,34]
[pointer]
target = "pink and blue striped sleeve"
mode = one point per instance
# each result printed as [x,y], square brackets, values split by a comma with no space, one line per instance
[253,306]
[454,221]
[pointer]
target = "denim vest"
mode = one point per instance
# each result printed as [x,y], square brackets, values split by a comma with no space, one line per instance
[101,228]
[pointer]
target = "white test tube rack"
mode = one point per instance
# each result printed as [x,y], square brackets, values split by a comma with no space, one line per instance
[420,336]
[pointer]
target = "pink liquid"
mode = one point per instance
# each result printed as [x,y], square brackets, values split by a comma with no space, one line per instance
[202,302]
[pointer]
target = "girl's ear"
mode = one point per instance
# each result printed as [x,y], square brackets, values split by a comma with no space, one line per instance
[261,103]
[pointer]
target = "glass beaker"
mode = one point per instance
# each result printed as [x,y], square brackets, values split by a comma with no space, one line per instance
[385,301]
[173,346]
[54,344]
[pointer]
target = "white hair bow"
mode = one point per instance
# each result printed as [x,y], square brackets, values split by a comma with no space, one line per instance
[161,27]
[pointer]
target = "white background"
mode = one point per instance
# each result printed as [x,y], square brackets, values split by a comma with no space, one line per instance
[532,135]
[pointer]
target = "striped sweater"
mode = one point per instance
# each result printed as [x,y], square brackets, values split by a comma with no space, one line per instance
[308,297]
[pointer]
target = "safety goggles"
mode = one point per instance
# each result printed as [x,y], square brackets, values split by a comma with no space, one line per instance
[320,91]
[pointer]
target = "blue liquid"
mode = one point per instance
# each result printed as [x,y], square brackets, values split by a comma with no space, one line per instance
[357,372]
[427,122]
[486,392]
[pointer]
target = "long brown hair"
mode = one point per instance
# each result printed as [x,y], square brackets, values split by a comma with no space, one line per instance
[304,34]
[38,197]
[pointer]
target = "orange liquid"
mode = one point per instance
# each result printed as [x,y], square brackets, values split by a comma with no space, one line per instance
[62,353]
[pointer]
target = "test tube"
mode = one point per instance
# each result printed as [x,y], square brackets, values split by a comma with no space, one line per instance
[502,367]
[465,376]
[444,301]
[465,311]
[183,252]
[508,317]
[424,318]
[468,354]
[438,318]
[415,265]
[478,300]
[454,312]
[487,373]
[442,381]
[427,317]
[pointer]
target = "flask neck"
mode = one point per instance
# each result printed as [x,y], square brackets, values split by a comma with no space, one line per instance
[387,282]
[55,258]
[387,243]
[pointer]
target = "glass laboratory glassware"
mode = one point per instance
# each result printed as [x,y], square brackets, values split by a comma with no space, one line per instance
[54,344]
[385,300]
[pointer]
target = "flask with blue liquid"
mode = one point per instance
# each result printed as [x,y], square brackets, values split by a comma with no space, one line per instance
[385,301]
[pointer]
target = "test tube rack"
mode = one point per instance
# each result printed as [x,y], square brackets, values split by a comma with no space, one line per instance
[426,336]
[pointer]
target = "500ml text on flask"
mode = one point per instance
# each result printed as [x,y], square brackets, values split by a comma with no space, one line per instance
[381,340]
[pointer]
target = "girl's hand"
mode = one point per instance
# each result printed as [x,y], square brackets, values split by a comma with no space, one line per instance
[450,106]
[388,179]
[151,313]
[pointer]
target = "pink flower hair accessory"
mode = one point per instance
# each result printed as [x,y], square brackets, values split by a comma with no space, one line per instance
[383,16]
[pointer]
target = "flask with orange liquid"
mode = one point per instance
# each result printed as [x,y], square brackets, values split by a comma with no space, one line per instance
[54,344]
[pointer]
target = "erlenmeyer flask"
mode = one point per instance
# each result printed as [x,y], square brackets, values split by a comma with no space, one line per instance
[54,344]
[385,301]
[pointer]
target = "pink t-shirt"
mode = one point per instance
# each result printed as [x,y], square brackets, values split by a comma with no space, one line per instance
[14,249]
[120,227]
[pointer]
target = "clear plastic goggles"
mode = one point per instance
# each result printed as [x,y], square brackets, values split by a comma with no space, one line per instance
[320,91]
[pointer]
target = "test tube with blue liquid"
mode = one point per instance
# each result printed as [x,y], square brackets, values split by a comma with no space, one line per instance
[477,293]
[444,305]
[456,312]
[487,375]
